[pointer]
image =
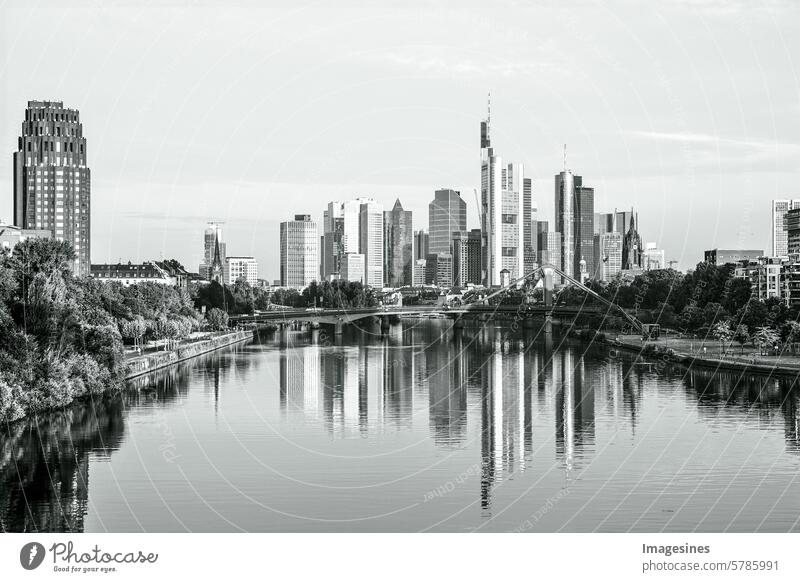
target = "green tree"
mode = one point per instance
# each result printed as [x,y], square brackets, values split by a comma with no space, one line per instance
[217,319]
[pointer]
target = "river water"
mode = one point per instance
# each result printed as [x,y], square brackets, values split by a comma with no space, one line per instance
[424,429]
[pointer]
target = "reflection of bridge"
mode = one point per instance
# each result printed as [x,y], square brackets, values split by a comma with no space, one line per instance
[337,317]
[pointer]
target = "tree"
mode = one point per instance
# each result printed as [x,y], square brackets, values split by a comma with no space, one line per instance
[765,337]
[741,335]
[723,333]
[217,319]
[134,330]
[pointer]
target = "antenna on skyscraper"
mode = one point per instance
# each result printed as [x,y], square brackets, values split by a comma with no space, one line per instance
[565,157]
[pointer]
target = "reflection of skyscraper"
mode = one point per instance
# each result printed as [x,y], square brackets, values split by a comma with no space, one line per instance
[300,379]
[447,396]
[398,382]
[574,407]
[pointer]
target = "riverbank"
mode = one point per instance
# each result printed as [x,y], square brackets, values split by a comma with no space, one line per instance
[141,365]
[708,354]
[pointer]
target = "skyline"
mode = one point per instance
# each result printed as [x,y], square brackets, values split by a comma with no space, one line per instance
[178,138]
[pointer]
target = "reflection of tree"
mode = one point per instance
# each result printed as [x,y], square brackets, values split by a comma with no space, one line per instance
[44,465]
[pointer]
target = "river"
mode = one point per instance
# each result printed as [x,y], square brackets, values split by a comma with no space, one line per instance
[424,429]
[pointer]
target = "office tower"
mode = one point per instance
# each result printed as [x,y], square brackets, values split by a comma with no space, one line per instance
[353,267]
[398,246]
[447,213]
[654,258]
[420,268]
[617,221]
[212,237]
[528,234]
[632,252]
[420,245]
[241,268]
[607,256]
[584,225]
[467,258]
[52,183]
[340,224]
[550,249]
[371,246]
[780,241]
[503,214]
[299,248]
[565,219]
[439,269]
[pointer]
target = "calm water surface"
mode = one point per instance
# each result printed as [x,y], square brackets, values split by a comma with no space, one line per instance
[423,429]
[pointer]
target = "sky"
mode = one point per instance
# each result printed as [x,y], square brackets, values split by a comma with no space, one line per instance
[250,112]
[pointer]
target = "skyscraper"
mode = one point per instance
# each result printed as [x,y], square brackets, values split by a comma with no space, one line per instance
[467,258]
[780,245]
[398,246]
[52,183]
[503,208]
[340,227]
[420,245]
[447,213]
[212,236]
[575,219]
[607,256]
[371,246]
[299,248]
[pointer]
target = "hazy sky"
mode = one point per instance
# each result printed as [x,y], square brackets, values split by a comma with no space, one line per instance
[250,112]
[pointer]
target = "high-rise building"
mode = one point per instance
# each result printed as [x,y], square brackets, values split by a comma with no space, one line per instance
[299,248]
[467,258]
[398,246]
[439,269]
[447,213]
[212,237]
[792,226]
[607,256]
[353,267]
[52,183]
[420,268]
[503,209]
[780,240]
[584,225]
[340,226]
[617,221]
[244,268]
[528,234]
[420,245]
[575,219]
[371,245]
[550,248]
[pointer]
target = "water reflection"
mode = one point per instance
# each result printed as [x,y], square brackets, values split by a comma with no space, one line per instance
[514,397]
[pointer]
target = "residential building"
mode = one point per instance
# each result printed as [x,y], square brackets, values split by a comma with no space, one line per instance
[398,246]
[133,273]
[780,241]
[299,251]
[353,267]
[768,281]
[244,268]
[11,236]
[731,256]
[371,241]
[52,182]
[467,258]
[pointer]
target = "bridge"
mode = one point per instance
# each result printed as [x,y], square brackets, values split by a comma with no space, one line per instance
[338,317]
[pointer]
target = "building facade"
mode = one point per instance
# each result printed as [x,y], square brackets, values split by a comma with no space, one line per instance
[398,246]
[439,269]
[792,227]
[654,257]
[607,256]
[299,249]
[341,227]
[371,245]
[467,258]
[353,267]
[732,256]
[447,213]
[244,268]
[780,240]
[133,273]
[52,182]
[420,245]
[11,236]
